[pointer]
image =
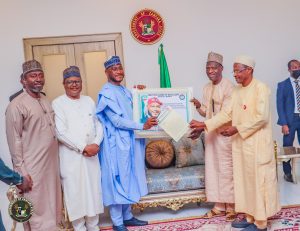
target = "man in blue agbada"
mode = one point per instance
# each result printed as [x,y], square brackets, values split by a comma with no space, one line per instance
[122,157]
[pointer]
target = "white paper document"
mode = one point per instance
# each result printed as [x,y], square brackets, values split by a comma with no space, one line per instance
[173,124]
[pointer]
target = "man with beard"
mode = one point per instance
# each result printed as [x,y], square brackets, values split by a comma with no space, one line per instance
[122,157]
[30,132]
[11,98]
[254,164]
[218,155]
[288,109]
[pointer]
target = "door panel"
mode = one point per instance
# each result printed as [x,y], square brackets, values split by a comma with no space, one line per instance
[90,58]
[94,73]
[54,59]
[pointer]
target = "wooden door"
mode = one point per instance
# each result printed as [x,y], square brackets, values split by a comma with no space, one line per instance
[88,52]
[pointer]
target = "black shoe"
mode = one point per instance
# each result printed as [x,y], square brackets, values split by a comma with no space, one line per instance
[288,178]
[240,224]
[253,227]
[120,228]
[135,222]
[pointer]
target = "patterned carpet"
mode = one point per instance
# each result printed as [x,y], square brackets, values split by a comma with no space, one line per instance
[288,219]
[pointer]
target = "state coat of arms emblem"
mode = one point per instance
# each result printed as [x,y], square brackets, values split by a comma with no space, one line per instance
[147,26]
[20,209]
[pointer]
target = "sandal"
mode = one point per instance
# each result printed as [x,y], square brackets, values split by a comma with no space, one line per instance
[230,215]
[213,213]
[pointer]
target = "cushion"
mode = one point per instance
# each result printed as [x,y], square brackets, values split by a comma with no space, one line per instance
[159,154]
[189,152]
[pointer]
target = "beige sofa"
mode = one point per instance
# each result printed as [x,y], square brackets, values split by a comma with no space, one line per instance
[174,186]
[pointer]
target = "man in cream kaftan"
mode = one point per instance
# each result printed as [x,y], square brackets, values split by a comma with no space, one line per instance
[218,156]
[77,128]
[254,165]
[253,152]
[33,146]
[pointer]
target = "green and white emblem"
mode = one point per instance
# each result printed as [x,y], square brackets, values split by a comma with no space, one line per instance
[20,209]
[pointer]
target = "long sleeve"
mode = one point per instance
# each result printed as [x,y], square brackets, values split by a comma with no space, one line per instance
[62,133]
[203,109]
[221,118]
[262,113]
[14,127]
[9,176]
[99,132]
[227,96]
[120,122]
[280,102]
[218,120]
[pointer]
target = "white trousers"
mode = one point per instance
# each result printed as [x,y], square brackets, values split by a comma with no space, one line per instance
[86,224]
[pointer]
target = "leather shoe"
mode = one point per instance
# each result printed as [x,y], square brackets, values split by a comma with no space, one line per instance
[135,222]
[288,178]
[253,227]
[240,224]
[120,228]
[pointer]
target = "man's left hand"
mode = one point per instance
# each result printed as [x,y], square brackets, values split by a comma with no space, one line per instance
[197,126]
[139,87]
[230,131]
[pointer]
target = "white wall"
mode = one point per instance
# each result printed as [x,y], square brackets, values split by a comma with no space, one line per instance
[266,30]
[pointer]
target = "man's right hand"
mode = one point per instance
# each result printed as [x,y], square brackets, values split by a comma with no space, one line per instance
[285,130]
[196,103]
[91,150]
[26,185]
[195,134]
[152,121]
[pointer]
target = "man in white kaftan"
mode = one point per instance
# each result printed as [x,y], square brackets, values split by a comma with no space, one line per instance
[254,164]
[79,133]
[218,154]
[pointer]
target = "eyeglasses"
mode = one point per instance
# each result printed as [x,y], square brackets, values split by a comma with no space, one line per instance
[238,71]
[71,82]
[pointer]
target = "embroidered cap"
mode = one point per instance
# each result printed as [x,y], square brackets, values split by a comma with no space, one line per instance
[113,60]
[215,57]
[72,71]
[31,65]
[154,100]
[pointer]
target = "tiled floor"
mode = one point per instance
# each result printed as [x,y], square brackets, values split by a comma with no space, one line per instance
[289,195]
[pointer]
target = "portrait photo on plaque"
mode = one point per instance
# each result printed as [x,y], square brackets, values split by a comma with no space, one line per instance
[155,102]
